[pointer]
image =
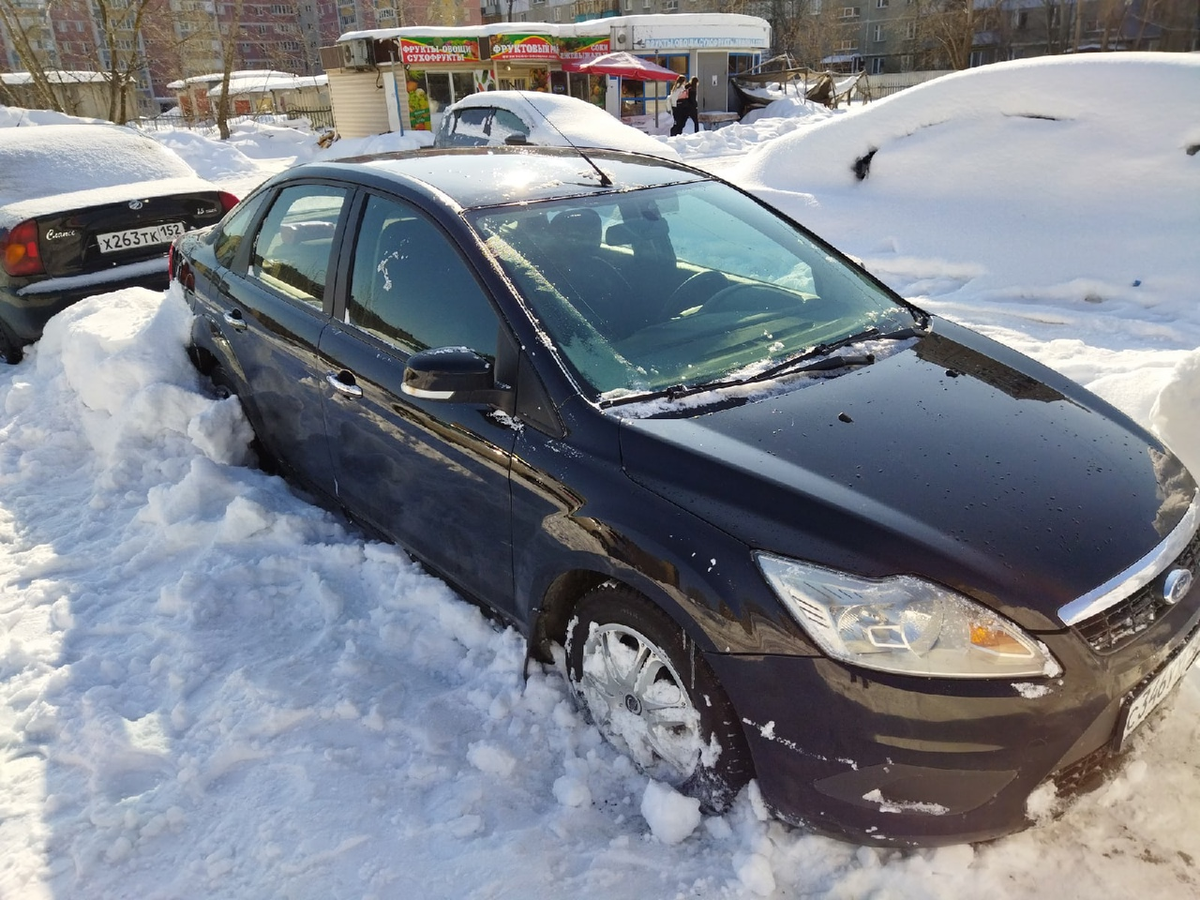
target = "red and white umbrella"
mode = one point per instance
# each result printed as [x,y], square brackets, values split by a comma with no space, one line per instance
[626,65]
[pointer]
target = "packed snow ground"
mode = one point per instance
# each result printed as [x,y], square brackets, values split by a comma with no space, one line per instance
[211,688]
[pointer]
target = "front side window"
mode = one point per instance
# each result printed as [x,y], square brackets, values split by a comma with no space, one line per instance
[685,285]
[410,286]
[292,248]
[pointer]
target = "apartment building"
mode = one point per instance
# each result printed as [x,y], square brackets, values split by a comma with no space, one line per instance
[185,38]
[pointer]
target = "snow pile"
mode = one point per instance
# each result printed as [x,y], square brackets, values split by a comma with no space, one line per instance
[1176,411]
[1039,151]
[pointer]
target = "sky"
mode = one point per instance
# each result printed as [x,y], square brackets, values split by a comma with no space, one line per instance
[211,687]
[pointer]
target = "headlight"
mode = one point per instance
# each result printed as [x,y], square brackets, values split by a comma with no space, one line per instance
[903,624]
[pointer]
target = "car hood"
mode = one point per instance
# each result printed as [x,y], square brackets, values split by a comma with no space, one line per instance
[956,460]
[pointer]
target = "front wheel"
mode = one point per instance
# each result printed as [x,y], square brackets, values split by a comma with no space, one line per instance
[654,697]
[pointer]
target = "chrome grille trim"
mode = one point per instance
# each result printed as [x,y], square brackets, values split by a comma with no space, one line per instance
[1137,576]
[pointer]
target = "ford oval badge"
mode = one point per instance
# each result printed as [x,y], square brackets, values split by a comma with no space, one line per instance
[1178,583]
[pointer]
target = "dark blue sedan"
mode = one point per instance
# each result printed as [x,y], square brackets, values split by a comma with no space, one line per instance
[776,522]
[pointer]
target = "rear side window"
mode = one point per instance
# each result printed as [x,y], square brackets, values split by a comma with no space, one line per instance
[412,288]
[293,247]
[478,126]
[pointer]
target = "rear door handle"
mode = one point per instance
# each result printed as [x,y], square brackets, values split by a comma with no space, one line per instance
[234,320]
[343,383]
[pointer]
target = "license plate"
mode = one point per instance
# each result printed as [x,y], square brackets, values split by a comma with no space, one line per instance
[1160,686]
[139,237]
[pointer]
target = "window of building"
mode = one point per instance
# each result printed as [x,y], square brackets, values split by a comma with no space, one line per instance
[910,31]
[878,34]
[849,12]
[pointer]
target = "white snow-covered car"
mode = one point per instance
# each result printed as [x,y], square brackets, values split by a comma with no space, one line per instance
[534,117]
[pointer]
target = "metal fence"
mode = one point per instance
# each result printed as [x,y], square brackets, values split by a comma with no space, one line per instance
[318,117]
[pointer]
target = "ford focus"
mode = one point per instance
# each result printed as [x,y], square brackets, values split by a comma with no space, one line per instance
[774,521]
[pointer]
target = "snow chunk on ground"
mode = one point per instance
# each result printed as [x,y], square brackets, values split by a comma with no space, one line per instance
[672,817]
[755,875]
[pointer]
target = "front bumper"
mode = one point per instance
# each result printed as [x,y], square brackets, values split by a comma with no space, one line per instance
[883,759]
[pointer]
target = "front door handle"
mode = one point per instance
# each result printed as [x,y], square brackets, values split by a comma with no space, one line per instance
[234,320]
[343,383]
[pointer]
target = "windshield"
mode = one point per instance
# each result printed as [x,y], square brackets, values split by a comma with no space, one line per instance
[679,286]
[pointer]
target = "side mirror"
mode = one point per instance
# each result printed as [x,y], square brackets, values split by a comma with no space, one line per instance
[455,375]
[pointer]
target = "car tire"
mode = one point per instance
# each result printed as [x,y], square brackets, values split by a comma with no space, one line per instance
[222,387]
[11,351]
[650,693]
[222,384]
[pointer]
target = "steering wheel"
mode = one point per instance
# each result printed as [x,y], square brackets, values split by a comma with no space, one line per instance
[694,291]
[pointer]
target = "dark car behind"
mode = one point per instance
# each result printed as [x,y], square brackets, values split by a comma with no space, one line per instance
[86,209]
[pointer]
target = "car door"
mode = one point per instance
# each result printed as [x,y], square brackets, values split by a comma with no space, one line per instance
[432,475]
[275,309]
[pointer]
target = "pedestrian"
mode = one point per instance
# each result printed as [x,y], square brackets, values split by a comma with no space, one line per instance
[674,101]
[692,104]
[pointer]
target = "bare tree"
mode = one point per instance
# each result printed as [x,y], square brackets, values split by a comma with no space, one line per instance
[1060,21]
[26,28]
[120,24]
[229,55]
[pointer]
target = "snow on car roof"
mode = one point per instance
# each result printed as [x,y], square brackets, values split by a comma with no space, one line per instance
[55,167]
[575,122]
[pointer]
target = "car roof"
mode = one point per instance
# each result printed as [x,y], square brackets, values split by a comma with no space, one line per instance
[495,176]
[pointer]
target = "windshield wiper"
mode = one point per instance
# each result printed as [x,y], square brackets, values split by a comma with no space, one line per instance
[816,359]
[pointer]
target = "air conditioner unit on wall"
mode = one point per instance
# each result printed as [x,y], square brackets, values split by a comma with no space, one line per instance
[358,54]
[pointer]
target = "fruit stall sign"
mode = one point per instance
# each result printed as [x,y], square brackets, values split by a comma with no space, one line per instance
[576,50]
[422,50]
[524,46]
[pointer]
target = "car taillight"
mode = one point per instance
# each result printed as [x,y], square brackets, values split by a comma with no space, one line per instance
[21,254]
[228,201]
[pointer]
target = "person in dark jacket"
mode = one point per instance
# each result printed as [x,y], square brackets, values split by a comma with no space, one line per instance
[691,104]
[674,101]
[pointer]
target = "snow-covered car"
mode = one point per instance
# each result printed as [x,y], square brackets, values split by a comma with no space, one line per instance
[492,118]
[88,208]
[778,522]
